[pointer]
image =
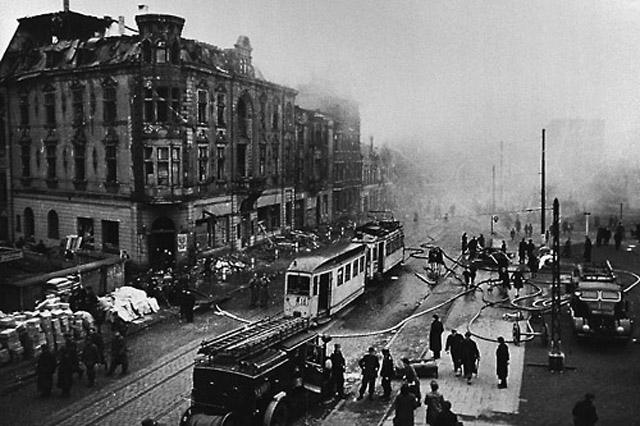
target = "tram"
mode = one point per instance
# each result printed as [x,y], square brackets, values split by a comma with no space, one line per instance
[320,285]
[385,245]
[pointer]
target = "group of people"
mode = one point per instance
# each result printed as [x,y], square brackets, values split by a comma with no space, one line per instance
[259,286]
[472,246]
[68,362]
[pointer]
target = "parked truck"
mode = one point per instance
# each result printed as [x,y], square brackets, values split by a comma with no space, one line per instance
[598,306]
[256,374]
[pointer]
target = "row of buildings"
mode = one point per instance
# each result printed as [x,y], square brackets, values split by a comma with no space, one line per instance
[167,147]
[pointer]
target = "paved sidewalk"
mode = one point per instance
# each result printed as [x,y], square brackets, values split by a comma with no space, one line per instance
[480,403]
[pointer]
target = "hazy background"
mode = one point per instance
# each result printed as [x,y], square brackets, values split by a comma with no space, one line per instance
[461,88]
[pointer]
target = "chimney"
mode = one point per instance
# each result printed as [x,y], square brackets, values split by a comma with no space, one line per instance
[65,5]
[121,24]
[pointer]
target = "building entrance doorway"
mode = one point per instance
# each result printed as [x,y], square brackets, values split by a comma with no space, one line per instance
[162,243]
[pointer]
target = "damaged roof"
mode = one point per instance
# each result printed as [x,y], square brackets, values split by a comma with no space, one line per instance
[44,43]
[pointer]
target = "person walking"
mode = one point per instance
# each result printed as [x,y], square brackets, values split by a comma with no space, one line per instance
[522,250]
[502,363]
[410,377]
[434,402]
[188,303]
[90,357]
[587,249]
[96,337]
[254,287]
[404,406]
[584,412]
[446,417]
[338,365]
[45,370]
[435,336]
[453,346]
[470,357]
[387,372]
[118,354]
[369,365]
[65,372]
[518,281]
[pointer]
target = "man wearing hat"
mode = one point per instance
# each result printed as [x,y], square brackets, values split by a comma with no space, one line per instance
[435,336]
[337,371]
[470,357]
[454,344]
[584,412]
[502,363]
[369,364]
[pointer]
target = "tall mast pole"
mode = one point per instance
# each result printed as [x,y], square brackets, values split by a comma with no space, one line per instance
[542,191]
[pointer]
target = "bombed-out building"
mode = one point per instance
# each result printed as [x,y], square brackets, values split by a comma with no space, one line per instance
[150,143]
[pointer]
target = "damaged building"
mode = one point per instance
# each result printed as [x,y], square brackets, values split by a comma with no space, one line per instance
[160,146]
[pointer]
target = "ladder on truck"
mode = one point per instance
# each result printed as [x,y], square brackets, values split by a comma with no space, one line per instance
[253,338]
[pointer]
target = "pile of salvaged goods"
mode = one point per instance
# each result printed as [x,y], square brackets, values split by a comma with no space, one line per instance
[22,334]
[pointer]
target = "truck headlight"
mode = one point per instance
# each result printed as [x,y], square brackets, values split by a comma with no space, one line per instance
[586,328]
[620,329]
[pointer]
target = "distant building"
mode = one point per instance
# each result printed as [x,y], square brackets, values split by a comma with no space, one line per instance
[375,182]
[150,143]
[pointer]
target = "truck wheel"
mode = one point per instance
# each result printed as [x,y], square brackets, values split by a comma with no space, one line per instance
[276,414]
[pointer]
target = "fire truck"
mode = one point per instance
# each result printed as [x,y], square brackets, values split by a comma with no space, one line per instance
[598,306]
[254,375]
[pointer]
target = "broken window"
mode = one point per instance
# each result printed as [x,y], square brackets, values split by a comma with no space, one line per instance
[25,155]
[50,109]
[163,167]
[162,104]
[161,52]
[24,110]
[203,103]
[110,236]
[221,104]
[111,160]
[149,112]
[109,105]
[220,160]
[77,104]
[203,163]
[175,166]
[175,105]
[149,166]
[51,151]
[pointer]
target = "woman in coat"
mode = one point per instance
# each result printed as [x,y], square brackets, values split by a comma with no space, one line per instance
[502,363]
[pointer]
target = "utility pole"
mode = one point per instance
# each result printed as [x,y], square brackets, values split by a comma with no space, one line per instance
[493,189]
[556,356]
[542,191]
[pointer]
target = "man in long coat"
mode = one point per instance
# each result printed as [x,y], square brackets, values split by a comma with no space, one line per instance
[118,354]
[470,357]
[65,372]
[338,366]
[435,336]
[387,371]
[45,369]
[454,346]
[502,363]
[404,405]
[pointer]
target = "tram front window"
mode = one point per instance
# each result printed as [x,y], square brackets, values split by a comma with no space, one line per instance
[298,284]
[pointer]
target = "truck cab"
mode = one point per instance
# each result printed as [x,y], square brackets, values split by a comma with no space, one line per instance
[598,306]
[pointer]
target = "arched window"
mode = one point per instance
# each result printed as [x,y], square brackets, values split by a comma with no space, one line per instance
[161,52]
[29,223]
[53,231]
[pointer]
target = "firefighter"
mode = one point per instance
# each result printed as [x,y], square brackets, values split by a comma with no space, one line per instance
[369,364]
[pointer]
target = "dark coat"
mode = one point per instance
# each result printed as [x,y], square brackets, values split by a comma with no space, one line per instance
[502,360]
[337,364]
[518,280]
[584,413]
[435,335]
[470,353]
[435,404]
[405,404]
[454,343]
[446,418]
[387,369]
[45,369]
[369,365]
[65,372]
[90,354]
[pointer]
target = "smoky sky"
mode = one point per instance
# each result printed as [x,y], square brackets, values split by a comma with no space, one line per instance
[454,78]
